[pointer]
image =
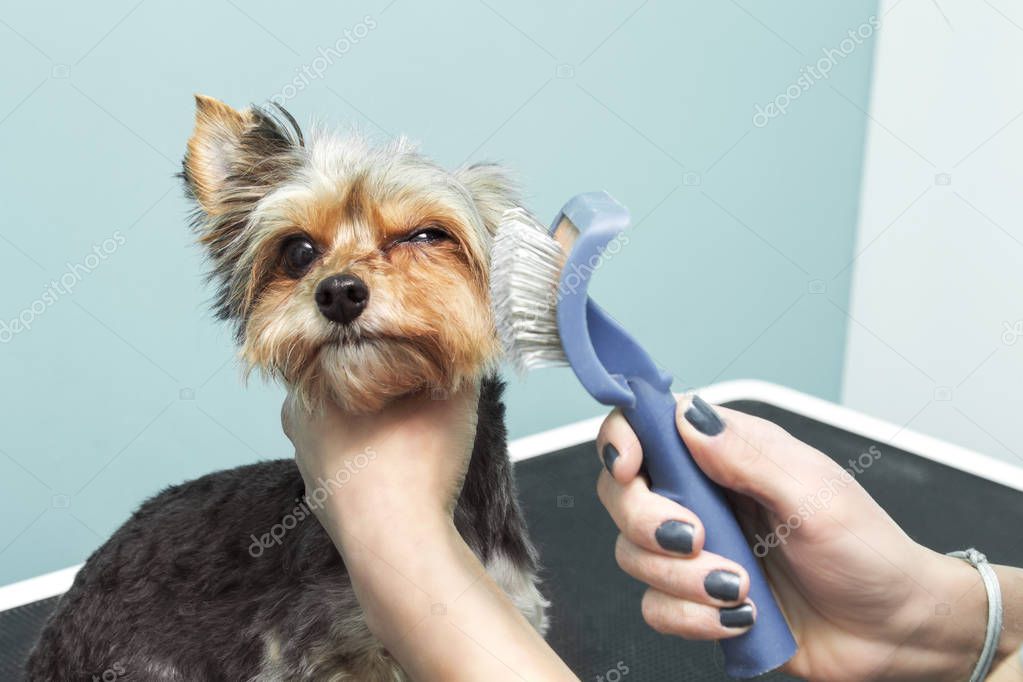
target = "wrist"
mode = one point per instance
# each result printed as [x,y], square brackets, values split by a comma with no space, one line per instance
[953,614]
[384,514]
[937,632]
[403,567]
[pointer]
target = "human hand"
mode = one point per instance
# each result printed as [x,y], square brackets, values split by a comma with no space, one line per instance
[863,599]
[409,458]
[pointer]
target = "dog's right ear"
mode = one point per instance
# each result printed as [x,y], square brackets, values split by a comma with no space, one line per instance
[234,158]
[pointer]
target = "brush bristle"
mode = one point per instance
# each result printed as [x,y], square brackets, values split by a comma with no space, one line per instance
[525,271]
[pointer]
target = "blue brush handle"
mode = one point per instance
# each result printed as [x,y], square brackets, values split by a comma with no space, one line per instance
[674,474]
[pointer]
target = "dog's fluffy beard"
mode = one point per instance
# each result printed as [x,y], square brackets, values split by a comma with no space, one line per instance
[258,182]
[402,346]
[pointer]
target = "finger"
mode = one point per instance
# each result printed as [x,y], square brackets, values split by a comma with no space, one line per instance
[751,456]
[706,578]
[619,448]
[673,616]
[649,520]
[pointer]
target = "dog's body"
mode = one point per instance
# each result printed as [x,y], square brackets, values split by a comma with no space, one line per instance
[184,592]
[355,275]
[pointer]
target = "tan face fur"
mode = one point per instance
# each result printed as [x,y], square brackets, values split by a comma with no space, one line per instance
[258,183]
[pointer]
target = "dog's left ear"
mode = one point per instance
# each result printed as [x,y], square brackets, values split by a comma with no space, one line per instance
[493,191]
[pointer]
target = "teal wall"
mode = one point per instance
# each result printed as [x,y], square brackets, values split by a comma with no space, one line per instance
[125,383]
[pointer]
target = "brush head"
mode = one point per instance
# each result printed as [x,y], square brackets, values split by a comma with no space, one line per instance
[525,272]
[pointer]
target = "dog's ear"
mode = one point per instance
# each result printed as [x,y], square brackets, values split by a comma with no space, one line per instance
[233,160]
[235,157]
[493,190]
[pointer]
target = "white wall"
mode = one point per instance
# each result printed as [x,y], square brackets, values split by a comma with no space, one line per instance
[938,280]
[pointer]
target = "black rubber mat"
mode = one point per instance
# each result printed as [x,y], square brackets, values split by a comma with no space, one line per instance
[18,630]
[595,620]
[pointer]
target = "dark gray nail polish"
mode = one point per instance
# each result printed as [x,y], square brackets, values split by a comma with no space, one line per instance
[610,455]
[703,417]
[723,585]
[737,617]
[675,536]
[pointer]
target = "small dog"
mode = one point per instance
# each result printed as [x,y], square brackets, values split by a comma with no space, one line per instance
[355,275]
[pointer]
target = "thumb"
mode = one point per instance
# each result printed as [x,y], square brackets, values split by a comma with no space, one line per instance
[750,455]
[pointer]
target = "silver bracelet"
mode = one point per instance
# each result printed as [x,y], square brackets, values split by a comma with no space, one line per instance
[994,610]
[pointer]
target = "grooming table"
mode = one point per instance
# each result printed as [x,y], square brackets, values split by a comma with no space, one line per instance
[928,486]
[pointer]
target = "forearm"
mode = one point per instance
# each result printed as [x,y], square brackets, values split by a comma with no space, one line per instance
[432,604]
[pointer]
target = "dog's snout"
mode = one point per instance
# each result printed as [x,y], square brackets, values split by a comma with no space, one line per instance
[342,298]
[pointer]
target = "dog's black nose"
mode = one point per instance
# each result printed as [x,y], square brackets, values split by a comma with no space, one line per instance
[342,298]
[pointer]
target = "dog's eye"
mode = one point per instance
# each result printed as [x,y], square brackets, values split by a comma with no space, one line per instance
[297,254]
[427,235]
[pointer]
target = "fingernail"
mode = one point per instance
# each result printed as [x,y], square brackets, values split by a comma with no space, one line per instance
[703,417]
[610,455]
[675,536]
[737,617]
[723,585]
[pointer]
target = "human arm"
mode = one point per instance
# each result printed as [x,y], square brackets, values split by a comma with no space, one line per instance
[425,595]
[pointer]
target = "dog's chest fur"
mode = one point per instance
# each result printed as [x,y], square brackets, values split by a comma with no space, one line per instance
[183,592]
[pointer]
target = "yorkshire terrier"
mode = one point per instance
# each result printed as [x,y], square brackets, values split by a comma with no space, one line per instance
[355,274]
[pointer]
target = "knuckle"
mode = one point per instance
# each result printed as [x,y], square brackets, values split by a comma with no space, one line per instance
[676,575]
[749,450]
[768,435]
[774,437]
[623,557]
[633,524]
[654,613]
[637,563]
[665,615]
[750,446]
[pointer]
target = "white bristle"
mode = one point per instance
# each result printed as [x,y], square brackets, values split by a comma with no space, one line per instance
[525,269]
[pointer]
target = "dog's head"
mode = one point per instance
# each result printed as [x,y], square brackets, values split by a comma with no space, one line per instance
[355,274]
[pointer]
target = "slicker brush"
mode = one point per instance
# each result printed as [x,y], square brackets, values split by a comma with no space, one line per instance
[544,316]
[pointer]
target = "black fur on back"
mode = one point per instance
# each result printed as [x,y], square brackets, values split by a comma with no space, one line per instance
[176,594]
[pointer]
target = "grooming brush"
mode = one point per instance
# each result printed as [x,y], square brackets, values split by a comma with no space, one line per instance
[539,282]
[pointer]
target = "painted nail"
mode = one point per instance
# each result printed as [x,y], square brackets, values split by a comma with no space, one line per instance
[723,585]
[737,616]
[703,417]
[675,536]
[610,455]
